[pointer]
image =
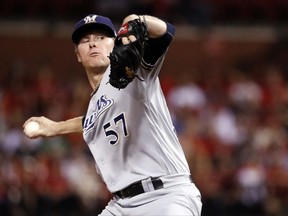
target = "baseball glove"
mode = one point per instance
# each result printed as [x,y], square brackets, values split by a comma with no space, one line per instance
[125,59]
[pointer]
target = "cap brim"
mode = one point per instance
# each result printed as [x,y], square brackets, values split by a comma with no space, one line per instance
[78,33]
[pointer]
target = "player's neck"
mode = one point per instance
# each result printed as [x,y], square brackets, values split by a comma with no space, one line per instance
[95,80]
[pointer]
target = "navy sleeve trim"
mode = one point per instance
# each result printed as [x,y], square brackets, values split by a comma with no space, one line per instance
[156,47]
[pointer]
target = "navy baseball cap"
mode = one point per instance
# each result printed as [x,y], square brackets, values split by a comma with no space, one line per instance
[91,22]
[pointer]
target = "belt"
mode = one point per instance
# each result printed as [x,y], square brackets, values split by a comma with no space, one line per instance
[137,188]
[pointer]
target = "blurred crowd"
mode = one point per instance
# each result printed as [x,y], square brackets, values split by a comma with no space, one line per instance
[53,176]
[196,12]
[232,120]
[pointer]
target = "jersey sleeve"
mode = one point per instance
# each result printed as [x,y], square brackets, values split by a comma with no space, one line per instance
[156,47]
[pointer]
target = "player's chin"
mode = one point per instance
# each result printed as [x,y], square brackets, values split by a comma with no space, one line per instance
[100,63]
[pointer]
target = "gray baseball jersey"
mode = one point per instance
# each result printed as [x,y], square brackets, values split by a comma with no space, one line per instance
[130,131]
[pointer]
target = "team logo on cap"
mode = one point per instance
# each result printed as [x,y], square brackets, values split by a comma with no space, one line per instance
[89,19]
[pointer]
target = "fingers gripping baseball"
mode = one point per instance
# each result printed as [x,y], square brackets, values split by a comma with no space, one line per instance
[39,127]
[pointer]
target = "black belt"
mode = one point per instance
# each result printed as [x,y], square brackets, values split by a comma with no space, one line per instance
[137,188]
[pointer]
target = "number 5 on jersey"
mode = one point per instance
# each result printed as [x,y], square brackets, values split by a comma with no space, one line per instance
[109,129]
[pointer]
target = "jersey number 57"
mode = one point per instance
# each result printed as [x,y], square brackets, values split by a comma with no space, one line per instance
[111,133]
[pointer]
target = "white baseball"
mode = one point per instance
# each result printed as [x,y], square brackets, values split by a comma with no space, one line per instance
[31,127]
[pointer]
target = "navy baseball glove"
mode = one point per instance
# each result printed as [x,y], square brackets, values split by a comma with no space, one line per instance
[125,59]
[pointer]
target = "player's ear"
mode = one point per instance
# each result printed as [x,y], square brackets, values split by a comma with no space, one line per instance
[77,54]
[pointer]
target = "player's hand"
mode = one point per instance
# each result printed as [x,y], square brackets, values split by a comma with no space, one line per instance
[129,39]
[47,127]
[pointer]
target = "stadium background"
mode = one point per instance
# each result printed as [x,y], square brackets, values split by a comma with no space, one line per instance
[225,80]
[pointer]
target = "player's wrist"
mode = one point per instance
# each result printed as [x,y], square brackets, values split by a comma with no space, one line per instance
[130,18]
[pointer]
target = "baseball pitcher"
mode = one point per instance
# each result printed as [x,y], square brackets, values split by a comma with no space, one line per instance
[127,125]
